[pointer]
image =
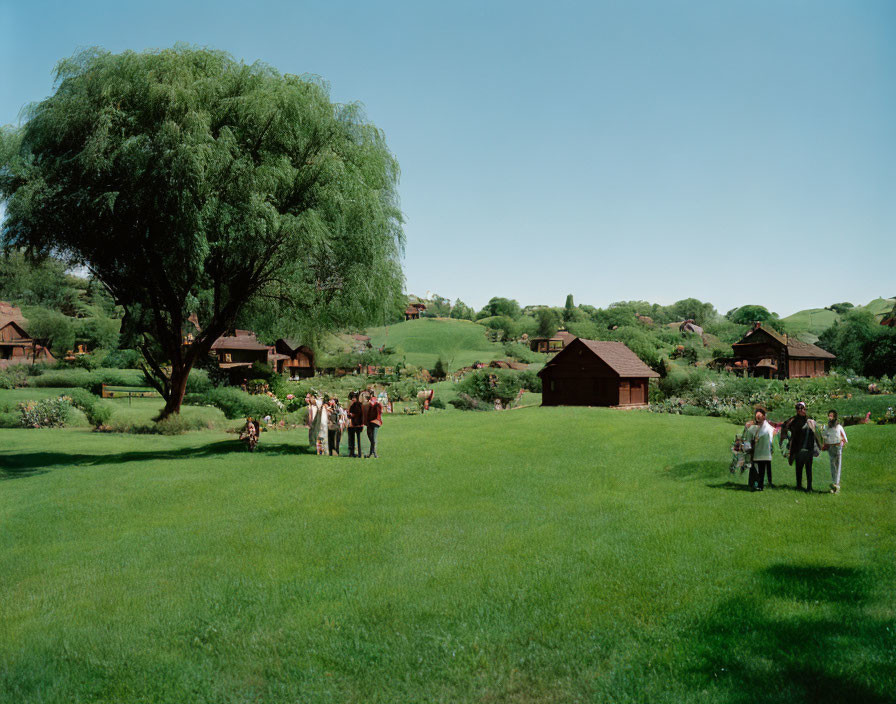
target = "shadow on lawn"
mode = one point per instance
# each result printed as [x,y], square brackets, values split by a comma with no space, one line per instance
[830,646]
[28,464]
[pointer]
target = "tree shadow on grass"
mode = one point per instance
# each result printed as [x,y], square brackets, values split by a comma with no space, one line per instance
[800,634]
[698,469]
[731,486]
[28,464]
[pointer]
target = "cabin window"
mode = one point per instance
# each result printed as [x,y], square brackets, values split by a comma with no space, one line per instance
[227,357]
[553,385]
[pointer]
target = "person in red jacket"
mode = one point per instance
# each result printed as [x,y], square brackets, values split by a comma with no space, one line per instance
[355,424]
[373,420]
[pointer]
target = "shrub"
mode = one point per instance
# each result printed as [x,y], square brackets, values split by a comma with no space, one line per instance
[198,382]
[465,402]
[235,403]
[46,413]
[176,424]
[10,419]
[123,359]
[522,353]
[98,412]
[13,377]
[488,385]
[436,402]
[406,390]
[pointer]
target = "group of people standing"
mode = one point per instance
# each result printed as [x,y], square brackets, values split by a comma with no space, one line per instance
[328,420]
[806,441]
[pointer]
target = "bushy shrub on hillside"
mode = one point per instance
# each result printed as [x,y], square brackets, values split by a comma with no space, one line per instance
[522,353]
[235,403]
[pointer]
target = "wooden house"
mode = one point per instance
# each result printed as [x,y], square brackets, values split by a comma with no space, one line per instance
[412,312]
[767,353]
[595,373]
[299,362]
[16,346]
[238,352]
[551,344]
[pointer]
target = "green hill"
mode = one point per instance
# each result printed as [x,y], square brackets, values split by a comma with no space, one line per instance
[813,320]
[817,320]
[421,342]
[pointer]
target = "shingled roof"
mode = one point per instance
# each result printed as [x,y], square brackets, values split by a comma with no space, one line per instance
[238,342]
[615,355]
[619,358]
[802,350]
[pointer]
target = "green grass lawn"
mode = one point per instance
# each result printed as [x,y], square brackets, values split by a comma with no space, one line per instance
[544,554]
[421,342]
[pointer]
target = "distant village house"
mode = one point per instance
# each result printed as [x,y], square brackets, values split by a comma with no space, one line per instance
[412,312]
[551,344]
[16,346]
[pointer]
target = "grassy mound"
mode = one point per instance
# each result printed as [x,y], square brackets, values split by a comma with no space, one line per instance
[535,555]
[421,342]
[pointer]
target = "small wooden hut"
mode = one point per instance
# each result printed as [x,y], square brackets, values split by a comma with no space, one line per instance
[595,373]
[551,344]
[412,312]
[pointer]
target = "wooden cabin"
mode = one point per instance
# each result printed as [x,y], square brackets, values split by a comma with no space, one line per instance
[299,362]
[412,312]
[238,352]
[767,353]
[551,344]
[595,373]
[16,346]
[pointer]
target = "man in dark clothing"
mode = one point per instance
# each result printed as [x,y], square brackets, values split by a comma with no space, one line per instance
[803,435]
[373,419]
[355,424]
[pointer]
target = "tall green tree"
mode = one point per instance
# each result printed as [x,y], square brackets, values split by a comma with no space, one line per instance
[569,309]
[188,182]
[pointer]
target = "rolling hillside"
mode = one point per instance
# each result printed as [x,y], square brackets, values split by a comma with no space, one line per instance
[817,320]
[421,342]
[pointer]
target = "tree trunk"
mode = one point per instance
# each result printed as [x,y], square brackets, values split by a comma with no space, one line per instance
[178,387]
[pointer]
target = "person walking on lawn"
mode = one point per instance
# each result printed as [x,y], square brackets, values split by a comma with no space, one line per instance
[805,439]
[759,433]
[373,419]
[355,424]
[834,442]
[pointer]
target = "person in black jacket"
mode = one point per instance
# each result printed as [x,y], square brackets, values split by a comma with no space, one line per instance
[804,438]
[355,424]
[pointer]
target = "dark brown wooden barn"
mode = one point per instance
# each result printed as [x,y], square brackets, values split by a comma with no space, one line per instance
[595,373]
[769,354]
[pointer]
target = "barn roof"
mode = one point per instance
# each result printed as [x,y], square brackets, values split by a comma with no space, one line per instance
[800,349]
[12,314]
[774,334]
[615,355]
[619,358]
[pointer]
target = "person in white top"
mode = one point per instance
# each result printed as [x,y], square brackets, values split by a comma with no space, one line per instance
[834,441]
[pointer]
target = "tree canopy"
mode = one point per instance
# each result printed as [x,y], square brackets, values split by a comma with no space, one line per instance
[188,182]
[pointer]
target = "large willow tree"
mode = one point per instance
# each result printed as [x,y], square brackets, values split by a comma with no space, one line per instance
[188,182]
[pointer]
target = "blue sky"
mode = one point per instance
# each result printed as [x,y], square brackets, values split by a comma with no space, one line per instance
[737,152]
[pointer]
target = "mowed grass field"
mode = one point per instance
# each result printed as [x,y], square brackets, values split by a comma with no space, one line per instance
[421,342]
[543,554]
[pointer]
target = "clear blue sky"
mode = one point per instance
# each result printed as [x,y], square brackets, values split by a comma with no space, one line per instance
[737,152]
